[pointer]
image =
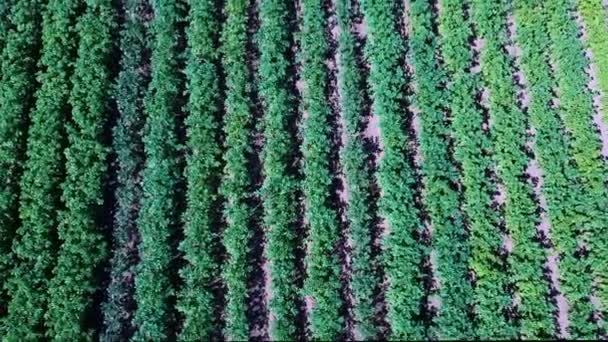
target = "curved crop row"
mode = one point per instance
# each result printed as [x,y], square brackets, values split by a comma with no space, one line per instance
[158,218]
[594,17]
[32,258]
[196,299]
[236,185]
[127,144]
[82,249]
[18,69]
[365,278]
[576,110]
[440,197]
[508,136]
[472,149]
[561,187]
[280,185]
[402,251]
[323,269]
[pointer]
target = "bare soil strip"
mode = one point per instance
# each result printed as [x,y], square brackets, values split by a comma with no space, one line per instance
[340,187]
[259,277]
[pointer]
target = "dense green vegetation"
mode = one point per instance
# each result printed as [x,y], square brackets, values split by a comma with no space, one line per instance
[127,145]
[158,216]
[237,183]
[561,179]
[82,246]
[27,280]
[322,264]
[196,300]
[594,18]
[4,23]
[365,276]
[439,174]
[312,170]
[402,252]
[472,151]
[593,14]
[20,50]
[520,212]
[280,185]
[576,111]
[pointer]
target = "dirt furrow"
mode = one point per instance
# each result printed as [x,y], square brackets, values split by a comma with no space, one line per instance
[259,277]
[296,87]
[340,185]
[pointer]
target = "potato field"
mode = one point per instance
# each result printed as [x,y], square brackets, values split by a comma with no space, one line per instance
[308,170]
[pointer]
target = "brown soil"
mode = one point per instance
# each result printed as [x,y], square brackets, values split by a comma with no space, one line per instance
[417,129]
[267,297]
[562,305]
[372,133]
[515,52]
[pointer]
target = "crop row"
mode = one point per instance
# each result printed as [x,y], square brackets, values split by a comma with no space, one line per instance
[439,177]
[82,246]
[19,57]
[158,217]
[365,278]
[570,185]
[280,187]
[197,301]
[237,180]
[322,264]
[128,147]
[508,138]
[594,19]
[576,111]
[472,150]
[21,48]
[402,252]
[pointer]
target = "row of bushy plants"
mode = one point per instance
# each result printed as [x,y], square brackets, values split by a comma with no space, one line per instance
[279,191]
[127,146]
[158,218]
[82,246]
[440,196]
[236,187]
[197,301]
[402,250]
[365,277]
[19,49]
[561,186]
[322,265]
[472,151]
[576,111]
[593,14]
[508,134]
